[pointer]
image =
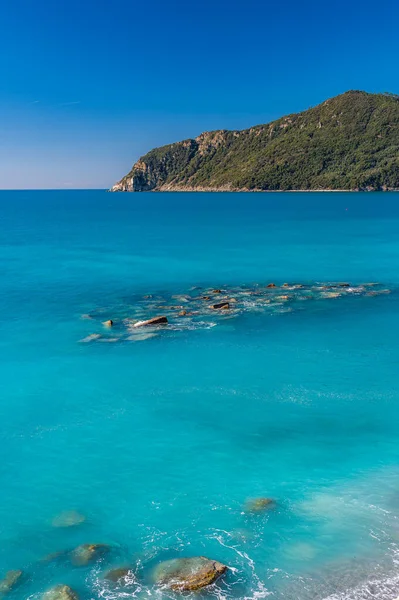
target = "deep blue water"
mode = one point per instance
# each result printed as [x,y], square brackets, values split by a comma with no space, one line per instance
[160,440]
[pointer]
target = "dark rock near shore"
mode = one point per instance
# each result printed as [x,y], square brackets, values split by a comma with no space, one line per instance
[88,553]
[154,321]
[60,592]
[221,306]
[188,574]
[10,581]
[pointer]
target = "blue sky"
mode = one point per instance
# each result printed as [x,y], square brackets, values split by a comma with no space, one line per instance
[88,86]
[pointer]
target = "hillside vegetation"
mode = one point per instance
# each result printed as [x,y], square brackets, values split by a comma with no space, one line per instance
[350,142]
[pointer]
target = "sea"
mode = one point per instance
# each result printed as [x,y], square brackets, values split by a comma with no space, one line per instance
[156,440]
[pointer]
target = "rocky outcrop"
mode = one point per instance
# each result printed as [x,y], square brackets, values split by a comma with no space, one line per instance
[10,581]
[88,553]
[60,592]
[188,574]
[259,505]
[120,575]
[153,321]
[221,306]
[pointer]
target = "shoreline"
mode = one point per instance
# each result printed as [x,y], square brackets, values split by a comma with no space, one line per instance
[243,190]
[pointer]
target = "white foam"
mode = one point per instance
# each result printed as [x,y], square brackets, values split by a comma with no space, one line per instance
[379,589]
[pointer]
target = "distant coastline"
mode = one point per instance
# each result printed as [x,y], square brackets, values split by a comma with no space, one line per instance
[347,143]
[243,190]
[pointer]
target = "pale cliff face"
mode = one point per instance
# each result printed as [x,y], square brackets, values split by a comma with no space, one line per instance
[125,185]
[143,177]
[149,174]
[210,140]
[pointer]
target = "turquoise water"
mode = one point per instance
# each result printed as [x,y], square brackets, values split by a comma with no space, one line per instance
[160,440]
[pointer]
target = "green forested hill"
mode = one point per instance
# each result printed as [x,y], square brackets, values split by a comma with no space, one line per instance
[349,142]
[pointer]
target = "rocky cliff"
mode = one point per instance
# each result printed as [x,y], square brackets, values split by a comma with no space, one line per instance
[350,142]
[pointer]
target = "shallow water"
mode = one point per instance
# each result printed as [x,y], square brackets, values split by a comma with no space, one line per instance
[160,443]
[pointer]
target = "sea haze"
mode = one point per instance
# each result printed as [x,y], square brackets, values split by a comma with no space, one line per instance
[159,440]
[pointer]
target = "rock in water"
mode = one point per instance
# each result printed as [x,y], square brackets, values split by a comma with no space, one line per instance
[90,338]
[10,581]
[154,321]
[221,306]
[88,553]
[259,505]
[53,556]
[271,285]
[188,574]
[68,518]
[123,575]
[60,592]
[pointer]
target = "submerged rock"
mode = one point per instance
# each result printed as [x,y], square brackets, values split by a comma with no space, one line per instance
[91,338]
[378,292]
[174,307]
[68,518]
[141,337]
[259,505]
[10,581]
[53,556]
[154,321]
[88,553]
[221,306]
[242,535]
[181,298]
[122,575]
[192,312]
[60,592]
[188,574]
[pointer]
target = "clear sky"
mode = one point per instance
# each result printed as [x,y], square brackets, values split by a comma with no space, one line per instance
[87,86]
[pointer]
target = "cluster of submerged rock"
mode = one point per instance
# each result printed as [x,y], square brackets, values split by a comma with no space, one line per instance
[146,316]
[185,574]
